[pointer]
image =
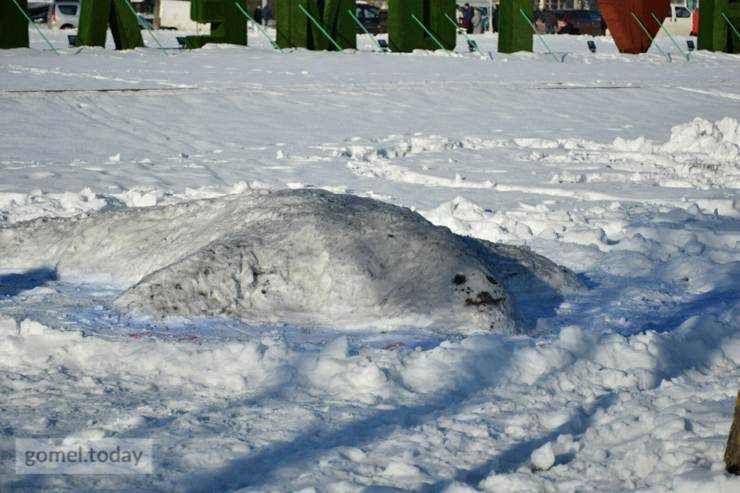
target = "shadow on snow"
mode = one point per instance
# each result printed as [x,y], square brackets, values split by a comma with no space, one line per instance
[15,283]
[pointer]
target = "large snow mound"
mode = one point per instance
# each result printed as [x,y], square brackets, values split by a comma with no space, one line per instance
[308,257]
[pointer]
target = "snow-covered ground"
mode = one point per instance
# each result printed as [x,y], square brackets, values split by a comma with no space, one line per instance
[623,168]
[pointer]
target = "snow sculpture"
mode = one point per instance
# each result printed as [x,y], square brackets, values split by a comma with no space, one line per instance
[305,257]
[405,34]
[227,23]
[13,26]
[96,15]
[296,30]
[715,31]
[515,32]
[628,35]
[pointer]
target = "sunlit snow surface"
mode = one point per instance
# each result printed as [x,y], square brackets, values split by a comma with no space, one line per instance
[628,386]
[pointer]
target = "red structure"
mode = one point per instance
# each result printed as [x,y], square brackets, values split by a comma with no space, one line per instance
[626,31]
[695,23]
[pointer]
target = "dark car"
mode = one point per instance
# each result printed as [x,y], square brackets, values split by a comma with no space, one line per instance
[39,12]
[373,18]
[580,22]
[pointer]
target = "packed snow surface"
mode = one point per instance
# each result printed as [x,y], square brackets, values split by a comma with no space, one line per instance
[624,169]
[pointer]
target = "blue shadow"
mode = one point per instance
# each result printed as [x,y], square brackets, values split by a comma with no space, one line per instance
[518,454]
[13,284]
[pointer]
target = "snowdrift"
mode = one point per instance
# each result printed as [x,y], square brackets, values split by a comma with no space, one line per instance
[717,142]
[304,257]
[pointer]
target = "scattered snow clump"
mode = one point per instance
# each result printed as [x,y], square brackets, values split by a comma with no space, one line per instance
[543,458]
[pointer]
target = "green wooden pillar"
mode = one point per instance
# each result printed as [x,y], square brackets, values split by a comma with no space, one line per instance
[405,35]
[13,26]
[292,24]
[227,22]
[296,30]
[515,32]
[715,34]
[336,21]
[97,15]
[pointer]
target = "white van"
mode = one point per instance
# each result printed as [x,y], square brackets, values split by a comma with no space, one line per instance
[175,14]
[64,15]
[679,21]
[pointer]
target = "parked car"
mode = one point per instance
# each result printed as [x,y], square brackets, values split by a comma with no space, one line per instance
[580,22]
[678,22]
[64,15]
[373,18]
[38,11]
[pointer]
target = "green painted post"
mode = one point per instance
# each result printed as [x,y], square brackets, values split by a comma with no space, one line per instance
[732,26]
[96,15]
[717,21]
[30,21]
[93,25]
[320,28]
[337,23]
[151,33]
[515,29]
[292,25]
[227,24]
[7,37]
[430,32]
[13,24]
[316,24]
[124,26]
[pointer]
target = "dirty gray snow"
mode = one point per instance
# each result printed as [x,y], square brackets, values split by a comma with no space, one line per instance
[292,257]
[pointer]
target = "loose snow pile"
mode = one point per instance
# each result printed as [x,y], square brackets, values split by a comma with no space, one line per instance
[698,153]
[298,257]
[19,207]
[719,141]
[502,414]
